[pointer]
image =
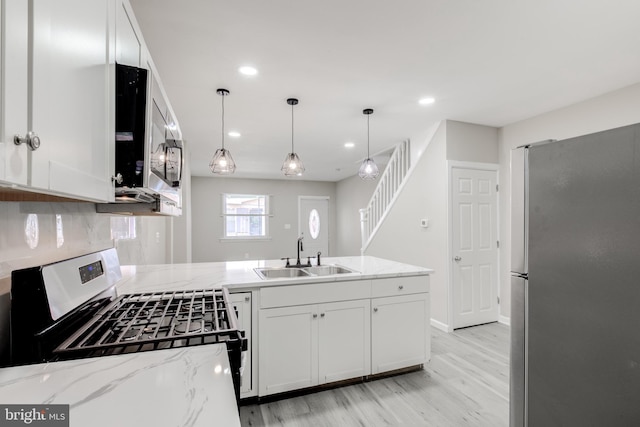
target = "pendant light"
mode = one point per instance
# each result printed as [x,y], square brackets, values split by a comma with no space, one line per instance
[292,165]
[368,169]
[222,162]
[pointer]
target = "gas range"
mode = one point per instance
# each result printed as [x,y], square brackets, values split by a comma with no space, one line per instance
[71,310]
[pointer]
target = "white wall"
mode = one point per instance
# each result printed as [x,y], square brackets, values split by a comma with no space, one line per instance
[426,195]
[352,194]
[468,142]
[182,225]
[152,244]
[207,221]
[615,109]
[401,238]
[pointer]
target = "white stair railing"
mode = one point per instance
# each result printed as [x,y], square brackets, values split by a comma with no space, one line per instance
[385,192]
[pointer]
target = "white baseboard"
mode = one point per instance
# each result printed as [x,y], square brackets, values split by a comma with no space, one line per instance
[503,319]
[442,326]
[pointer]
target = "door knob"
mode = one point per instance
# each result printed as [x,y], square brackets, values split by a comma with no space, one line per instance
[457,258]
[31,139]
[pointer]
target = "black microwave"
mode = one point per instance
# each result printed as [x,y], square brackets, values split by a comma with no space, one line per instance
[148,157]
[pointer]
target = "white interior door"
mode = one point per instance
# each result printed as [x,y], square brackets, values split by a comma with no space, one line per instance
[474,246]
[313,225]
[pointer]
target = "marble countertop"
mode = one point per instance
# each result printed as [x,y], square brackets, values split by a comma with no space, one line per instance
[175,387]
[240,274]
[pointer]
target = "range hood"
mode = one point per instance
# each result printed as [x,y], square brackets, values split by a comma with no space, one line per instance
[141,204]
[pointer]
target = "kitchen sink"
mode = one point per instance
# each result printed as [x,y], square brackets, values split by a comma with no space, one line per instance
[279,273]
[266,273]
[327,270]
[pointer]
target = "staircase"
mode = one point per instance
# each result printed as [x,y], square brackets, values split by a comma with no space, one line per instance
[385,193]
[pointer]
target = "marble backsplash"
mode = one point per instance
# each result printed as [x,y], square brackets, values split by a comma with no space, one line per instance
[36,233]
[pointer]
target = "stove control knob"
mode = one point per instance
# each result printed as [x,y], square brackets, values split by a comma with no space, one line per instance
[315,315]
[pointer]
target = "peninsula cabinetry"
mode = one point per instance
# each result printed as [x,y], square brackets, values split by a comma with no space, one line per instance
[241,303]
[399,323]
[325,332]
[308,337]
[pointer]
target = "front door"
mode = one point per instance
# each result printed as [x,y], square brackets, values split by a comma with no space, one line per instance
[474,246]
[313,226]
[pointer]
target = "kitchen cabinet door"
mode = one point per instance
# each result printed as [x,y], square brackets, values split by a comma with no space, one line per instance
[344,340]
[71,107]
[129,45]
[241,303]
[288,343]
[14,26]
[399,332]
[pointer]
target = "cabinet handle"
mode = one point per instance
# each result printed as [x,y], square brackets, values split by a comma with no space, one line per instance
[315,315]
[401,287]
[247,299]
[32,140]
[375,309]
[322,315]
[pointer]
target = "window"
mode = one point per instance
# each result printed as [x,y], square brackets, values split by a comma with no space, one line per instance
[245,216]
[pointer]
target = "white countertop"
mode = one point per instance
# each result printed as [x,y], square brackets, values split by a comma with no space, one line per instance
[174,387]
[177,387]
[240,274]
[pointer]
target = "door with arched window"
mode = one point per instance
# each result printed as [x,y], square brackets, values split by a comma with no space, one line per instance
[313,225]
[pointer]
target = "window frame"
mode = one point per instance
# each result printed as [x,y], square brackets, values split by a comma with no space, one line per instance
[266,216]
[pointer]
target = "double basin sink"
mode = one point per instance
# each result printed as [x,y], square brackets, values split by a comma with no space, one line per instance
[313,271]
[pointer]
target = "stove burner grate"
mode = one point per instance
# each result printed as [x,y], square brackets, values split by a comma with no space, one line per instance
[158,320]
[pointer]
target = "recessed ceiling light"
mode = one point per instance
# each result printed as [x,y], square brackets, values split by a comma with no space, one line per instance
[349,145]
[426,101]
[248,71]
[234,134]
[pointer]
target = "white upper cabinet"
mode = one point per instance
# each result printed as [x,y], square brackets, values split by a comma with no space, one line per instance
[71,101]
[57,88]
[129,45]
[57,93]
[13,90]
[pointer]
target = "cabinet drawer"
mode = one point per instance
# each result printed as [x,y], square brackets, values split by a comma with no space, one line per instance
[399,286]
[317,293]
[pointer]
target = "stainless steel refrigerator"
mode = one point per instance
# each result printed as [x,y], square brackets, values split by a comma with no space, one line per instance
[575,286]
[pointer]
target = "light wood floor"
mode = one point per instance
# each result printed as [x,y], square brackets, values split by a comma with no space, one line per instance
[466,383]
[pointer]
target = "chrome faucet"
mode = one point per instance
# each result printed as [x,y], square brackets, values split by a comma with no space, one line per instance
[300,248]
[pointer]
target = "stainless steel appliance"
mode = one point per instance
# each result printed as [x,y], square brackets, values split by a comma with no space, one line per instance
[575,287]
[148,155]
[70,310]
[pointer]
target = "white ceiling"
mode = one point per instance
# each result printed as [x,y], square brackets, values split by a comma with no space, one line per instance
[490,62]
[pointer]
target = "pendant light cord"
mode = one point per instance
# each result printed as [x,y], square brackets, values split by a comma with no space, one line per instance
[292,151]
[223,95]
[368,156]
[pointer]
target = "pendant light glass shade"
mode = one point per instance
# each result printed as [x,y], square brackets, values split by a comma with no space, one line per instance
[368,168]
[222,162]
[292,165]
